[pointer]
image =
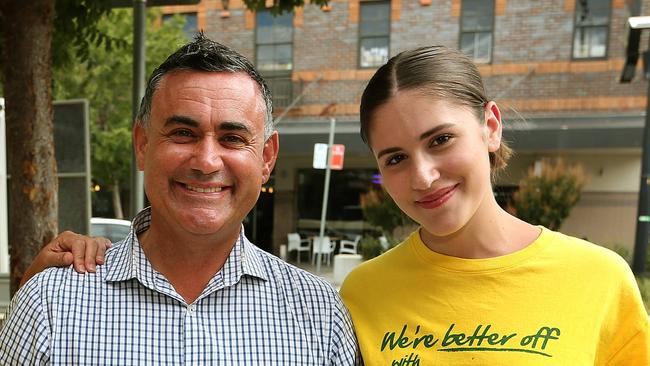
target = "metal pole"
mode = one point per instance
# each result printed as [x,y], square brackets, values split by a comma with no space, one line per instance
[326,191]
[139,36]
[641,242]
[4,232]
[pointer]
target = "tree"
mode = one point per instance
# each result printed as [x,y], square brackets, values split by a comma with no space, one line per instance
[381,211]
[104,77]
[546,197]
[27,30]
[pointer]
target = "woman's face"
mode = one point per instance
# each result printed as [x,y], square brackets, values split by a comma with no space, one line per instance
[433,158]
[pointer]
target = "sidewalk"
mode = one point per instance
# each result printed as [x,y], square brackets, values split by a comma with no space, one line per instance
[326,272]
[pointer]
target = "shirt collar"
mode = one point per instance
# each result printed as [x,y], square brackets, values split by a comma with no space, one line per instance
[126,260]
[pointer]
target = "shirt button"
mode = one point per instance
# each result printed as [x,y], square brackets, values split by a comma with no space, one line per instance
[191,308]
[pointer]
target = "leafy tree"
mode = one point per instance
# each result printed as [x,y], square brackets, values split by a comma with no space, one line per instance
[28,45]
[546,197]
[380,210]
[104,77]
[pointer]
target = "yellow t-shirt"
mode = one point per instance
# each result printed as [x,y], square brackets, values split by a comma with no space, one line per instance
[559,301]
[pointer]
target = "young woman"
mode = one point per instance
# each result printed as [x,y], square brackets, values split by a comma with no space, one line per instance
[475,285]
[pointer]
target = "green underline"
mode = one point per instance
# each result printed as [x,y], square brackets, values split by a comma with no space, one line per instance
[493,350]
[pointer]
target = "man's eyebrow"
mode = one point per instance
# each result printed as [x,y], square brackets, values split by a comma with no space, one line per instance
[233,126]
[191,122]
[181,120]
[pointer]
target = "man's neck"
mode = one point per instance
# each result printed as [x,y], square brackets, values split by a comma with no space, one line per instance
[187,261]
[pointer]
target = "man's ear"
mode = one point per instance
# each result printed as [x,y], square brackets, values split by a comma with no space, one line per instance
[139,143]
[270,154]
[493,125]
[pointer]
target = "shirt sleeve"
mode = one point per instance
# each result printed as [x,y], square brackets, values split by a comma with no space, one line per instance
[24,338]
[345,350]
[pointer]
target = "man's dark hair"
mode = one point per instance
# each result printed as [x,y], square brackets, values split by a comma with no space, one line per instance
[203,54]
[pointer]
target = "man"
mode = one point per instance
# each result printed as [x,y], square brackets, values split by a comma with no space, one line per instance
[186,286]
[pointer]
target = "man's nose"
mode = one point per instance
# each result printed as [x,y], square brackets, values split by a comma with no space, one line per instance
[207,156]
[424,173]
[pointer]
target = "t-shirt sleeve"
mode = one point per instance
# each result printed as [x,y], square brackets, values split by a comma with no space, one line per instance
[630,342]
[24,338]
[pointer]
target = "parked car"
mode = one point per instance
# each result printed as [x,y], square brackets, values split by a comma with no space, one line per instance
[113,229]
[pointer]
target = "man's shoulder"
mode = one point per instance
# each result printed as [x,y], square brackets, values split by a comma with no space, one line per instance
[286,275]
[52,281]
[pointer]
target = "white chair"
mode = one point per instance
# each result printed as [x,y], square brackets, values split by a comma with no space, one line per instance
[349,246]
[383,242]
[298,244]
[324,247]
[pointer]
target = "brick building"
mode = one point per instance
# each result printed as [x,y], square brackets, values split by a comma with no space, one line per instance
[552,65]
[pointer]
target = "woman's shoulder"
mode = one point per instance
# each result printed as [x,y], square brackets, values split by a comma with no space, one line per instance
[581,251]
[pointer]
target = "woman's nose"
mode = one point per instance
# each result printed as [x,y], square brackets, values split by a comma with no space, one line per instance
[425,172]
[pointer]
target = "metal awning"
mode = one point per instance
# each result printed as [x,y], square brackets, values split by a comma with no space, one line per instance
[539,133]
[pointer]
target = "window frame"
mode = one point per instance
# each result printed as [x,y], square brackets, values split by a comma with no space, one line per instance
[185,15]
[276,76]
[462,32]
[576,27]
[360,37]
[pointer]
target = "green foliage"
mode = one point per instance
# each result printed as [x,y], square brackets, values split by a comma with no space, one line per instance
[76,30]
[380,210]
[104,77]
[547,198]
[369,247]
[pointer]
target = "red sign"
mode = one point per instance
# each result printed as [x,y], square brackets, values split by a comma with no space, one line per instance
[336,159]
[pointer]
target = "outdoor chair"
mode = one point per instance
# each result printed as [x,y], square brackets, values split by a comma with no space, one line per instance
[349,246]
[383,242]
[324,247]
[298,244]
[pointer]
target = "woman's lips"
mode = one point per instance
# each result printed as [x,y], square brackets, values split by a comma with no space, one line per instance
[437,198]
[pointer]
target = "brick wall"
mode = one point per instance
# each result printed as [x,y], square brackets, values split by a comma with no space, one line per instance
[531,59]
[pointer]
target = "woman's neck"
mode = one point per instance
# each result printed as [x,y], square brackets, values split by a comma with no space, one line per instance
[491,232]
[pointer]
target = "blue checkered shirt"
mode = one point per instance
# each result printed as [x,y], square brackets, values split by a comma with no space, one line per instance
[258,310]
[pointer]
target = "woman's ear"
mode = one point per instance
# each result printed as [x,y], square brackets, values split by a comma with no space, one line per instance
[493,124]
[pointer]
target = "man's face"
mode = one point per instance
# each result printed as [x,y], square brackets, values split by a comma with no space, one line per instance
[203,152]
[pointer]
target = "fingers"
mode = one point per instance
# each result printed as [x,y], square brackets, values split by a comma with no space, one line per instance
[86,251]
[95,250]
[83,252]
[104,244]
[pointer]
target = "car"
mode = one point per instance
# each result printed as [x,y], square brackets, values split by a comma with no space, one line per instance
[113,229]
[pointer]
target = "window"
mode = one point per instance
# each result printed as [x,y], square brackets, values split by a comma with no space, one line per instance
[189,27]
[476,26]
[591,28]
[374,29]
[346,188]
[274,53]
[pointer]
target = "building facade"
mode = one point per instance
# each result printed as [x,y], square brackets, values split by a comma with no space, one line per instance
[552,65]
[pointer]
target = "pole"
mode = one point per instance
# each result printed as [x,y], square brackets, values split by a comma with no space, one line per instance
[4,232]
[326,190]
[641,242]
[139,35]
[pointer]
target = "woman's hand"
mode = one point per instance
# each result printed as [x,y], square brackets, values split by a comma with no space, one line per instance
[67,248]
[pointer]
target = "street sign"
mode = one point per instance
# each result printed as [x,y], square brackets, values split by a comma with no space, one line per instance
[336,161]
[320,156]
[129,3]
